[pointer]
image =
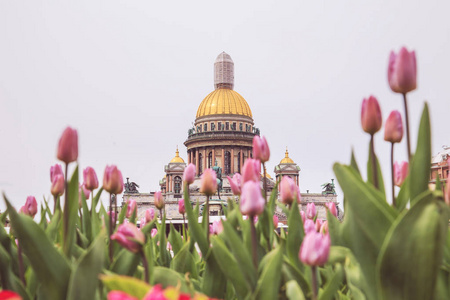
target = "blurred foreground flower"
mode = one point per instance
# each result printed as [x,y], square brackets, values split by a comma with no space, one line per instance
[289,191]
[251,170]
[189,174]
[235,184]
[113,180]
[400,172]
[68,146]
[90,178]
[30,207]
[315,249]
[393,129]
[58,185]
[129,236]
[402,71]
[371,119]
[311,210]
[9,295]
[261,149]
[252,202]
[208,185]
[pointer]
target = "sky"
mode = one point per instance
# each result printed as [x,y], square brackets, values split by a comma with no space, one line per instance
[130,75]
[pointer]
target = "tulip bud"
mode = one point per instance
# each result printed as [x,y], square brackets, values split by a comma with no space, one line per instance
[332,207]
[119,295]
[315,249]
[181,208]
[324,228]
[149,215]
[68,146]
[58,185]
[393,129]
[189,174]
[113,180]
[402,71]
[86,192]
[217,227]
[55,170]
[309,226]
[252,202]
[302,213]
[275,221]
[311,210]
[131,208]
[159,201]
[208,184]
[400,172]
[30,207]
[251,170]
[371,115]
[90,178]
[261,149]
[235,184]
[289,191]
[129,236]
[154,232]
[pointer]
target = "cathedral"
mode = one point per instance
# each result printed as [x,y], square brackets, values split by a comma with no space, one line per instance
[221,137]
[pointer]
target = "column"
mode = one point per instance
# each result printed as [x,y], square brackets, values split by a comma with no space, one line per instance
[204,159]
[213,156]
[223,160]
[232,160]
[196,162]
[170,183]
[167,183]
[242,160]
[248,153]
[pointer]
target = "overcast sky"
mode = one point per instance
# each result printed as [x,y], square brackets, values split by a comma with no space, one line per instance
[130,75]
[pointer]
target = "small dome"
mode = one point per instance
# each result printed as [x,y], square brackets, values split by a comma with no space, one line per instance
[177,158]
[286,159]
[224,101]
[268,175]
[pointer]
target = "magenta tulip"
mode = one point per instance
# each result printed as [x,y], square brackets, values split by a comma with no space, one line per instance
[252,202]
[119,295]
[235,184]
[189,174]
[58,185]
[261,149]
[181,208]
[251,170]
[402,71]
[113,180]
[400,172]
[332,208]
[208,184]
[289,191]
[311,210]
[129,236]
[90,178]
[30,207]
[371,119]
[393,129]
[159,200]
[55,170]
[131,208]
[68,146]
[315,249]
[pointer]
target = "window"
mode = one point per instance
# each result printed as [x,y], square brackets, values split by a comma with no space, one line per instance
[227,163]
[234,126]
[205,127]
[177,184]
[212,126]
[240,126]
[219,125]
[227,126]
[210,162]
[239,162]
[200,163]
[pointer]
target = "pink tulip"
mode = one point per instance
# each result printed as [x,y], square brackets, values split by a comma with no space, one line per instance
[86,192]
[400,172]
[393,129]
[402,71]
[142,224]
[131,208]
[251,170]
[261,149]
[302,213]
[113,180]
[371,120]
[90,178]
[58,185]
[309,226]
[315,249]
[181,208]
[159,201]
[55,170]
[68,146]
[275,221]
[217,227]
[149,215]
[189,174]
[208,184]
[324,228]
[311,210]
[30,207]
[447,191]
[289,191]
[9,295]
[157,293]
[129,236]
[318,224]
[252,202]
[235,184]
[119,295]
[154,232]
[332,208]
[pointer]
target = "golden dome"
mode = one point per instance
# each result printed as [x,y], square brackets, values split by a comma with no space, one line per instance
[268,175]
[286,159]
[177,158]
[224,101]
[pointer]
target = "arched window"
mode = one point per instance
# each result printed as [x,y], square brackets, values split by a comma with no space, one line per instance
[177,184]
[239,163]
[227,163]
[200,163]
[210,162]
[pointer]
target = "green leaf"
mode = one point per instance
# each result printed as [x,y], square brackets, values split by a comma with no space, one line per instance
[291,272]
[354,164]
[125,263]
[230,268]
[175,239]
[333,285]
[270,278]
[54,225]
[214,281]
[130,285]
[84,279]
[412,252]
[163,253]
[52,269]
[183,262]
[420,167]
[86,219]
[167,277]
[296,234]
[195,229]
[293,291]
[370,174]
[70,213]
[403,196]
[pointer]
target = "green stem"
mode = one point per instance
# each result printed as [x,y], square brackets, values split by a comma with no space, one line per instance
[374,162]
[254,241]
[392,175]
[408,141]
[21,266]
[184,229]
[66,213]
[206,213]
[264,183]
[145,263]
[110,229]
[314,282]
